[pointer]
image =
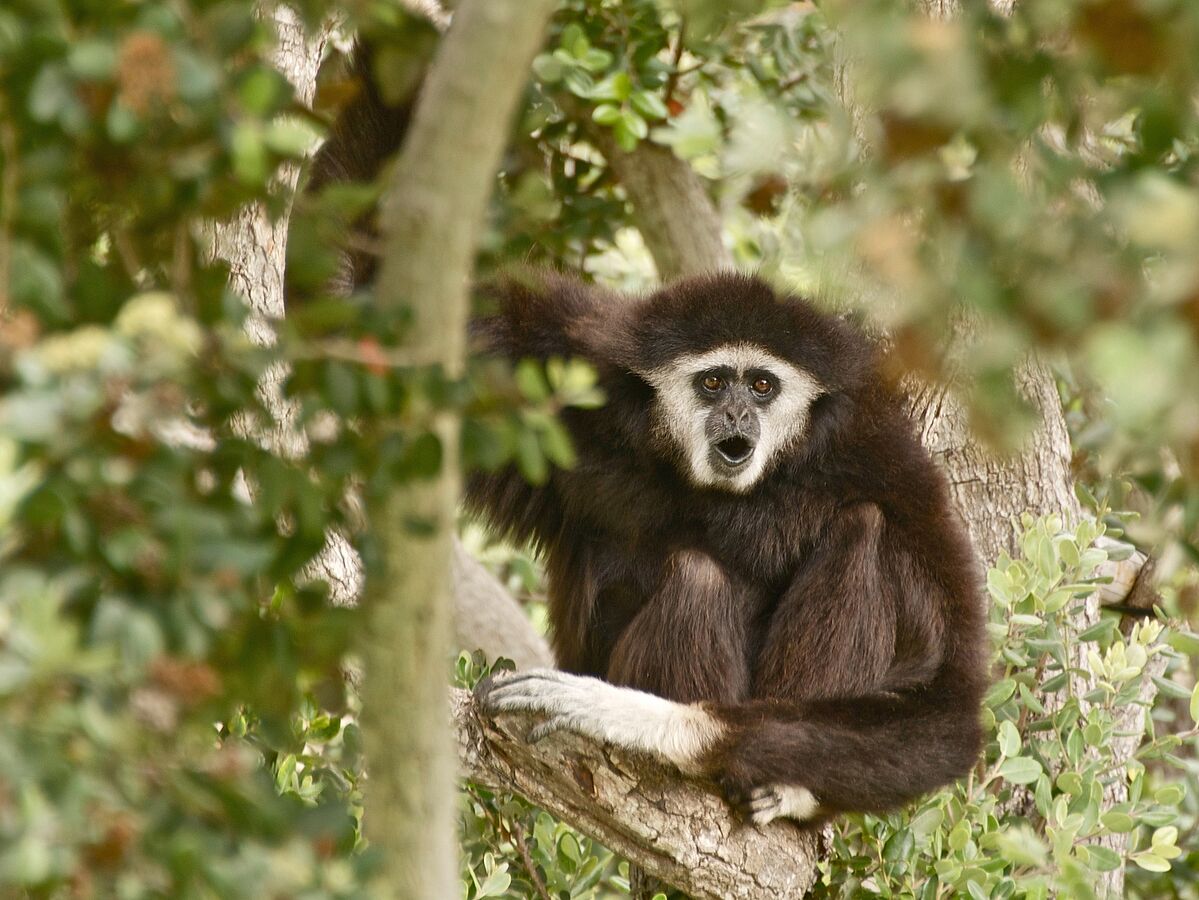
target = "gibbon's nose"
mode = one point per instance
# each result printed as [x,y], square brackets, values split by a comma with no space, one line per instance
[738,418]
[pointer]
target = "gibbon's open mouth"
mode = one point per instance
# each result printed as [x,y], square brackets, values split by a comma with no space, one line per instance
[735,450]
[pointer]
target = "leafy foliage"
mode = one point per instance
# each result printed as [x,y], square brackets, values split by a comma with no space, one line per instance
[1032,819]
[1036,172]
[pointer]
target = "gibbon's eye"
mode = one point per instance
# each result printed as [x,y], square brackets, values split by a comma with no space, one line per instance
[762,387]
[713,383]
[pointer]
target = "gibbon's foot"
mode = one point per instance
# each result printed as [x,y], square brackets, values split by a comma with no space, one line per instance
[780,801]
[762,804]
[634,720]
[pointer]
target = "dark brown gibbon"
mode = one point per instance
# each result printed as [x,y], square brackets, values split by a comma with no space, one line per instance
[754,569]
[755,572]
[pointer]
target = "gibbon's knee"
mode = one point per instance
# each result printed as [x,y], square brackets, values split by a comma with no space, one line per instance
[696,575]
[688,642]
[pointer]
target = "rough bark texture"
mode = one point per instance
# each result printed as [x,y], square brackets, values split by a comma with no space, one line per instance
[679,830]
[432,215]
[991,491]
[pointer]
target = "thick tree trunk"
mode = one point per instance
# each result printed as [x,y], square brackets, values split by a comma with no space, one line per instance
[992,491]
[432,215]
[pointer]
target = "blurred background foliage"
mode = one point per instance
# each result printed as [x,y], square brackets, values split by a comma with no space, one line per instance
[177,717]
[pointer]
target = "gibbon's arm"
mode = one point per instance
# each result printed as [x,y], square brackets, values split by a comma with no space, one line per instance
[857,750]
[538,314]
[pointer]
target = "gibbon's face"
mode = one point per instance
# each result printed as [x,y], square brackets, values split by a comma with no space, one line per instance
[730,410]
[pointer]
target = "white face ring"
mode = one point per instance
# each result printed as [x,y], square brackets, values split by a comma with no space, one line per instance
[681,416]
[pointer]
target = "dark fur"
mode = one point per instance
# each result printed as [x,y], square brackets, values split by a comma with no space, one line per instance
[831,616]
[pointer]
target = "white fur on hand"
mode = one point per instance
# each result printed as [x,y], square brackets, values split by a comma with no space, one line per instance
[635,720]
[778,801]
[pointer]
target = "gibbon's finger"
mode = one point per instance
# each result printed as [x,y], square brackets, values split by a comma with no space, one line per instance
[531,675]
[497,685]
[763,798]
[550,726]
[526,696]
[489,685]
[764,806]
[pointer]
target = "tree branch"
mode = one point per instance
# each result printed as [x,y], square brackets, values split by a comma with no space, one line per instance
[674,214]
[674,828]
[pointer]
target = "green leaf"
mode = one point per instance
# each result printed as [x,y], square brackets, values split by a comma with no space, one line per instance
[1070,783]
[574,40]
[927,822]
[1100,631]
[496,884]
[1165,837]
[1184,641]
[1195,705]
[1009,739]
[618,86]
[959,836]
[250,161]
[596,60]
[1000,692]
[549,68]
[555,442]
[899,846]
[1150,862]
[636,125]
[290,136]
[1104,859]
[1119,822]
[1170,794]
[649,105]
[92,59]
[530,378]
[606,114]
[1021,770]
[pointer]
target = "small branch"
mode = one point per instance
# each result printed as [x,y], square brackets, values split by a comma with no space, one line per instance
[518,838]
[672,81]
[675,216]
[676,829]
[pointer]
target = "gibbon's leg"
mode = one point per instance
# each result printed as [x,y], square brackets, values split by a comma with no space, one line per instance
[852,711]
[688,642]
[826,732]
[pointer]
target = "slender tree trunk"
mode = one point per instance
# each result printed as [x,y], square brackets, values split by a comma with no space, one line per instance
[432,215]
